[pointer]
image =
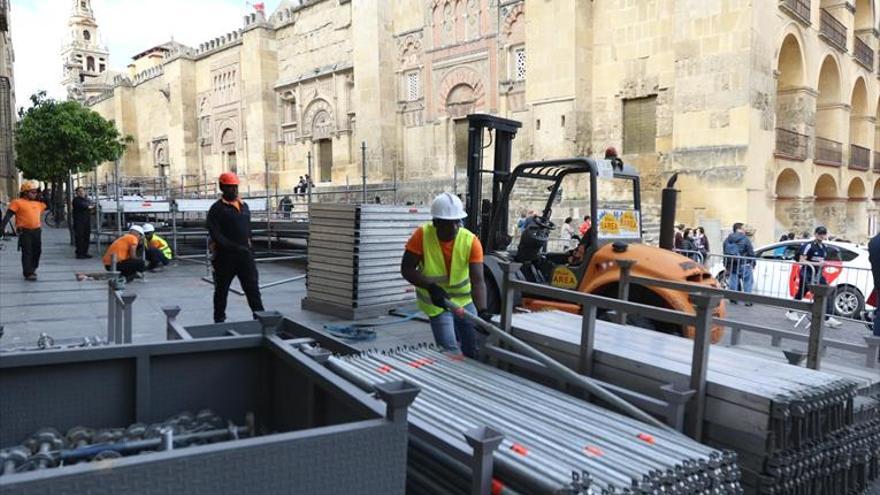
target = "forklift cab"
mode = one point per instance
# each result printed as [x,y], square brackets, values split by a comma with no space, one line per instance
[552,189]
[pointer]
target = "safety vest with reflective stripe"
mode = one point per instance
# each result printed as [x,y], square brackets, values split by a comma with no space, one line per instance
[162,245]
[457,283]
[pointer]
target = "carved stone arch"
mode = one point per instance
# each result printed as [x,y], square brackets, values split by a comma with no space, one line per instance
[515,14]
[318,119]
[410,50]
[160,153]
[457,79]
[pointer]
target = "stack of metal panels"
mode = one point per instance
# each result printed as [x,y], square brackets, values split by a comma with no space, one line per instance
[354,258]
[792,428]
[553,442]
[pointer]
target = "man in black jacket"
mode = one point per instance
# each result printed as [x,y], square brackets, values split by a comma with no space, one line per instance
[874,258]
[82,223]
[229,224]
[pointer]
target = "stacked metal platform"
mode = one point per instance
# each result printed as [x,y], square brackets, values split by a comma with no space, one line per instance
[354,258]
[553,443]
[795,430]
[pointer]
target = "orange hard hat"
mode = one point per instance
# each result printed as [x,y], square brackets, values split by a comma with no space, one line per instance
[228,179]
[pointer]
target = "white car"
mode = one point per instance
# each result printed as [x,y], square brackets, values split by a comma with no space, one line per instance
[847,269]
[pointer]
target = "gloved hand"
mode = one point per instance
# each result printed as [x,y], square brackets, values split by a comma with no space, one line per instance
[438,295]
[486,316]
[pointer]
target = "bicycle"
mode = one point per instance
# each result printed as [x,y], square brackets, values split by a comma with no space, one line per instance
[55,218]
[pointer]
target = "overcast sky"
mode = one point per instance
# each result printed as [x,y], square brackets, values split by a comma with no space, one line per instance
[127,27]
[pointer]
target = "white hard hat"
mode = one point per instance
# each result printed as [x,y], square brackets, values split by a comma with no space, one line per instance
[136,228]
[148,227]
[447,206]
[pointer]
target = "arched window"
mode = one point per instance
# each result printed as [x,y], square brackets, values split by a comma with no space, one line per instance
[90,64]
[87,35]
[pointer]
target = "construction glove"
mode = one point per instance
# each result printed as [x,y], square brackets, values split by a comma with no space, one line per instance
[438,295]
[486,316]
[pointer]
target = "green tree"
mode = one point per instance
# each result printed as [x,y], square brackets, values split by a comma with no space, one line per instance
[54,139]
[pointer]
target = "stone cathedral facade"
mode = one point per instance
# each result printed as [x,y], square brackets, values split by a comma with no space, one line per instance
[766,110]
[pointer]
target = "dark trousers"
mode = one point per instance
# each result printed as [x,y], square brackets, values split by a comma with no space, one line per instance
[807,277]
[30,242]
[129,268]
[228,266]
[82,230]
[155,258]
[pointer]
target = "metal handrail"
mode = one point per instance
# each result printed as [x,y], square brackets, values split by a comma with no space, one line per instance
[832,30]
[863,53]
[702,321]
[828,151]
[859,157]
[791,144]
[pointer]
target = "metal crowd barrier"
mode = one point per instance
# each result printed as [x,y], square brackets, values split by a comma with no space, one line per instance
[119,306]
[816,341]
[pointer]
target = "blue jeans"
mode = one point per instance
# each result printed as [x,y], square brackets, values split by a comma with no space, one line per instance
[745,271]
[449,330]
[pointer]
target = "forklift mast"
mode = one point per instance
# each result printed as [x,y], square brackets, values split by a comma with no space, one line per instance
[481,213]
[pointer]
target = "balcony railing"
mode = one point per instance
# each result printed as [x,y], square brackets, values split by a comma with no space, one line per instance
[864,54]
[829,152]
[790,144]
[833,31]
[876,161]
[799,9]
[859,157]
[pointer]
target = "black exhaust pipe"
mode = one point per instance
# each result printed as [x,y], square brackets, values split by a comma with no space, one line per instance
[667,214]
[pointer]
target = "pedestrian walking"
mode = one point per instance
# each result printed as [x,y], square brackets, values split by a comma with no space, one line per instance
[585,226]
[158,251]
[82,223]
[229,225]
[567,235]
[874,258]
[128,251]
[688,246]
[811,258]
[445,261]
[679,236]
[701,242]
[739,254]
[27,211]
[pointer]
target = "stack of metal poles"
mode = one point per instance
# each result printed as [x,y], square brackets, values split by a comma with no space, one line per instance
[792,428]
[553,442]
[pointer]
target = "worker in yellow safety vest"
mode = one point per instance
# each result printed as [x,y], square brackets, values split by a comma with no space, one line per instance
[445,261]
[158,249]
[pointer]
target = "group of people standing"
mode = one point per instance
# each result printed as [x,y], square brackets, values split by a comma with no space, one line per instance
[692,242]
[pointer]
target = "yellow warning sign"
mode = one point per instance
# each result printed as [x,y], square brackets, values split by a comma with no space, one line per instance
[628,222]
[608,225]
[563,278]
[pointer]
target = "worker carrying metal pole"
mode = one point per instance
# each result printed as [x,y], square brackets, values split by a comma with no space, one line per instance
[445,261]
[27,210]
[229,225]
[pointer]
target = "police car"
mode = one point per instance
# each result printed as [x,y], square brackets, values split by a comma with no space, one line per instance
[847,269]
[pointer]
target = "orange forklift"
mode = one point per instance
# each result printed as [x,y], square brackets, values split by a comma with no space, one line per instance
[590,265]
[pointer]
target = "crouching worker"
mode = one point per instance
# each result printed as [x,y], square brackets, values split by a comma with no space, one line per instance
[128,257]
[158,249]
[445,261]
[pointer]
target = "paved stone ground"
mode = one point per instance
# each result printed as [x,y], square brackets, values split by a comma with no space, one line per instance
[59,305]
[64,308]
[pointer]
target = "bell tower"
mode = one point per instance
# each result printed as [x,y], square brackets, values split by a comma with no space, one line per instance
[85,58]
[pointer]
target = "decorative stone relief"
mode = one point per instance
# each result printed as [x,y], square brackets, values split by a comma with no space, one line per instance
[318,122]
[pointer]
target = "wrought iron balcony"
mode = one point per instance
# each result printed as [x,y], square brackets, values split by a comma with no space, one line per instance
[864,54]
[799,9]
[877,162]
[828,152]
[790,144]
[4,15]
[859,157]
[833,31]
